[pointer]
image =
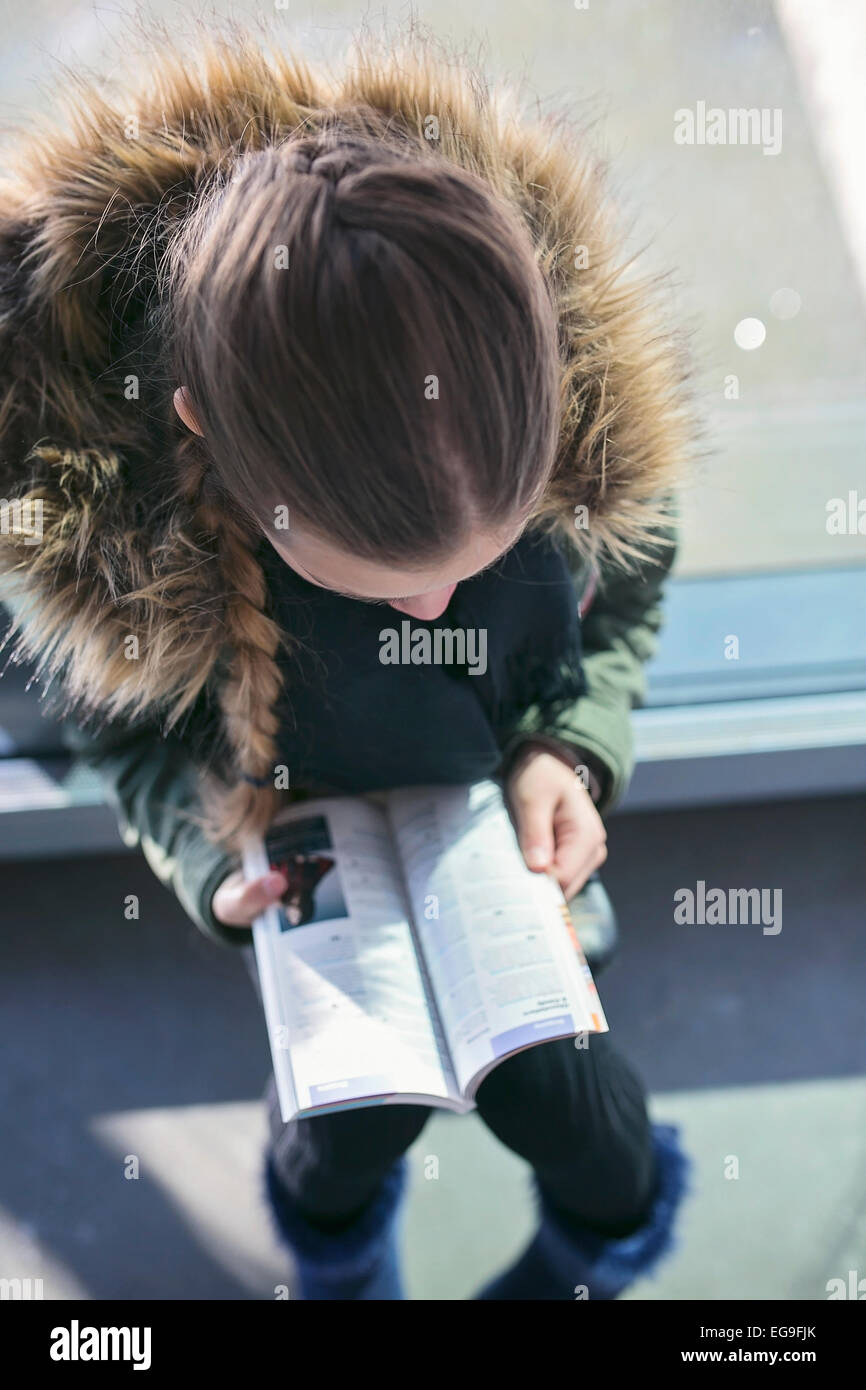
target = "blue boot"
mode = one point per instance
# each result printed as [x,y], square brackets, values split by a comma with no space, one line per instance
[360,1262]
[571,1263]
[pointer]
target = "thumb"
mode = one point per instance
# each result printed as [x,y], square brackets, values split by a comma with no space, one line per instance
[265,890]
[535,831]
[237,902]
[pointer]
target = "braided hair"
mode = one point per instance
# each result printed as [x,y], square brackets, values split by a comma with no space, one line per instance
[314,291]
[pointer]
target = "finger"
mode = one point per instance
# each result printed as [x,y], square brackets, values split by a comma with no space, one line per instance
[238,904]
[573,849]
[586,869]
[261,892]
[578,831]
[534,817]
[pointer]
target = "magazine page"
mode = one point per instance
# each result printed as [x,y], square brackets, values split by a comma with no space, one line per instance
[497,939]
[346,997]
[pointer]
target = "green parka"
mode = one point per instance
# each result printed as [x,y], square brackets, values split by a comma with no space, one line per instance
[83,202]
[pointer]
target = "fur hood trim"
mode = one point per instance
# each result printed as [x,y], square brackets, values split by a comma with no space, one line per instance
[122,568]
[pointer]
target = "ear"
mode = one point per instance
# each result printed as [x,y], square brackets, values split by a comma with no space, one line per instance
[185,410]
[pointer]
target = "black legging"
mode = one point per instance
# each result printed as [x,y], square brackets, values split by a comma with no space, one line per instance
[577,1115]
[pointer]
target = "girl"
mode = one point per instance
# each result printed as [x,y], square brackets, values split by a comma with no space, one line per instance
[284,353]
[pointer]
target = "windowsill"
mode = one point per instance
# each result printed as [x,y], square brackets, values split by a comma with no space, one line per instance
[784,717]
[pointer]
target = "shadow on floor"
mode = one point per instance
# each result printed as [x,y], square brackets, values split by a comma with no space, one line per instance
[102,1015]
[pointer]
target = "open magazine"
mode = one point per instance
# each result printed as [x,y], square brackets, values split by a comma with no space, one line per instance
[412,952]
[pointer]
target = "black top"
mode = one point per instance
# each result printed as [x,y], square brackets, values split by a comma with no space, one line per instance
[352,723]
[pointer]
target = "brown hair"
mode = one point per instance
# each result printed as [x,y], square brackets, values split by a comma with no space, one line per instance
[123,244]
[367,340]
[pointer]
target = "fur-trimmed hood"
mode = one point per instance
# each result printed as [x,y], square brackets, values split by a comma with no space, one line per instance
[86,438]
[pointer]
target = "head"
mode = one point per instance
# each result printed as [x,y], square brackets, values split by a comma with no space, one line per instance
[368,350]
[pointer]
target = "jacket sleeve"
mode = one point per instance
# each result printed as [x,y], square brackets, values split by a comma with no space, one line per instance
[149,779]
[619,636]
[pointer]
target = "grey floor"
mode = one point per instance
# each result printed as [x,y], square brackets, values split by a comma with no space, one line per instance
[137,1042]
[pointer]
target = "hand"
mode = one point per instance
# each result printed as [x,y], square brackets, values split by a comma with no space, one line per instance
[237,902]
[557,824]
